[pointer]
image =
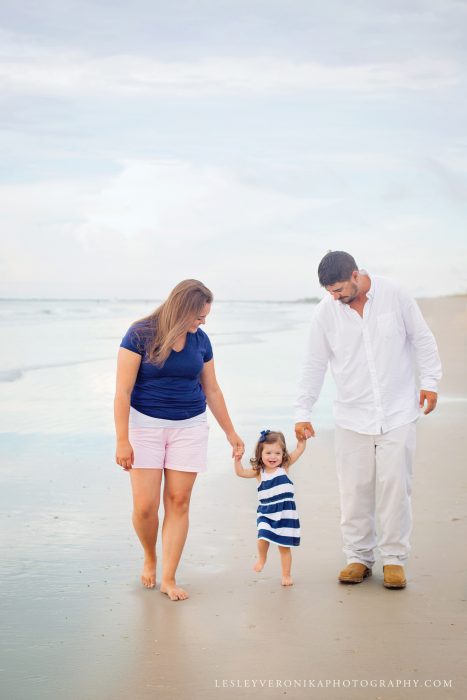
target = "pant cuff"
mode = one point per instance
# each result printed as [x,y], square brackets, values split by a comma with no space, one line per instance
[397,561]
[356,560]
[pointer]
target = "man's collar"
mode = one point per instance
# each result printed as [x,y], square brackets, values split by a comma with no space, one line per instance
[371,292]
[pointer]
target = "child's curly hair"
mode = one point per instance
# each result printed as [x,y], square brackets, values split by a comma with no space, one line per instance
[268,437]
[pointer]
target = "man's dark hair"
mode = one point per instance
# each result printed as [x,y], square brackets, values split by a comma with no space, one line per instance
[336,266]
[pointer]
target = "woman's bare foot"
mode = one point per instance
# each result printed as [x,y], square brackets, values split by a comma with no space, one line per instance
[287,581]
[148,575]
[174,592]
[259,565]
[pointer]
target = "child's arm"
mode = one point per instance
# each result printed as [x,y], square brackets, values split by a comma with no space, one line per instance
[239,469]
[299,450]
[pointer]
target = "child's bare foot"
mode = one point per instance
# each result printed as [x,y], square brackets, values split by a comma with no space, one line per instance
[259,565]
[148,575]
[174,592]
[287,581]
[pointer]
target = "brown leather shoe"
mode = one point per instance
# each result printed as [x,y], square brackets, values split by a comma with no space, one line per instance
[354,573]
[394,576]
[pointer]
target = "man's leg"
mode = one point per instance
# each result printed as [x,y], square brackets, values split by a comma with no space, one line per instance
[355,463]
[394,468]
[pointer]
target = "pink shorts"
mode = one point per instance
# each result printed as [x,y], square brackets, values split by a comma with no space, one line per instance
[182,449]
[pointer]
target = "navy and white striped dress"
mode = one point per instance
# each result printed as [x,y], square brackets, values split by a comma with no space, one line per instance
[277,519]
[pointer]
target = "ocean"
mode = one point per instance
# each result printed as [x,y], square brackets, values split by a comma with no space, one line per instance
[58,357]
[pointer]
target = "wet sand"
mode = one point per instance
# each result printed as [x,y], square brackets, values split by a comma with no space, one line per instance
[78,624]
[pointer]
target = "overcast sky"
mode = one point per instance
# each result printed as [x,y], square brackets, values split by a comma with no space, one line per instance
[232,141]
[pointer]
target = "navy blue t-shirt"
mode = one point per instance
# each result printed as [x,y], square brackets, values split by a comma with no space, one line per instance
[172,391]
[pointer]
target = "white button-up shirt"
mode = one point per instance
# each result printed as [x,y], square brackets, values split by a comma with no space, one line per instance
[372,360]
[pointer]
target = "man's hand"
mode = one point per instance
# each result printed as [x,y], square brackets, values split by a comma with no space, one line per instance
[303,431]
[431,398]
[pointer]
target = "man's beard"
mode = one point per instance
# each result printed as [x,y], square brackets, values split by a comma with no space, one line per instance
[349,299]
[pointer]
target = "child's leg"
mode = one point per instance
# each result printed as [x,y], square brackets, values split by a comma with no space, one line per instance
[286,563]
[263,546]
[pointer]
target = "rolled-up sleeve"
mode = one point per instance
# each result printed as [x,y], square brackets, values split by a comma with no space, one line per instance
[313,371]
[423,343]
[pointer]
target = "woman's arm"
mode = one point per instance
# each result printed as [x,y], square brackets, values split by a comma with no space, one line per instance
[216,402]
[128,363]
[299,450]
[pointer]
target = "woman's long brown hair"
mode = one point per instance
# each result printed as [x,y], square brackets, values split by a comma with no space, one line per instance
[158,332]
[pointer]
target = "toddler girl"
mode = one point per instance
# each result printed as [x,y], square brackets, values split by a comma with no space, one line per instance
[277,519]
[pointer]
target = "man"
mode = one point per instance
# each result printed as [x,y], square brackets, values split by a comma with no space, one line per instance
[370,331]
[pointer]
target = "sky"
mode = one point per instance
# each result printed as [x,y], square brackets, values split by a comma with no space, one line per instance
[231,141]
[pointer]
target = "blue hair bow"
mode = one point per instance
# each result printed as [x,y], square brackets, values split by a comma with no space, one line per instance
[264,433]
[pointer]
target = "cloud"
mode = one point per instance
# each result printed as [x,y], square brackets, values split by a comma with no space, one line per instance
[61,73]
[145,228]
[137,233]
[181,201]
[453,183]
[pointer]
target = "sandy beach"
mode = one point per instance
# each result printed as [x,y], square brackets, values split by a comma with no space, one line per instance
[78,623]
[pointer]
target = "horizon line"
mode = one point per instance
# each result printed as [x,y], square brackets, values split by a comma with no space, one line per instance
[115,299]
[302,300]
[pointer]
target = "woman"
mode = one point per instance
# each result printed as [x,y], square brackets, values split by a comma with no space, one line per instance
[165,377]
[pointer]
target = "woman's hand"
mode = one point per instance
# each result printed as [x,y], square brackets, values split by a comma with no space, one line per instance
[124,455]
[238,448]
[237,453]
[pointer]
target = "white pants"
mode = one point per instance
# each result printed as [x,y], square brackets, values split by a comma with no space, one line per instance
[375,474]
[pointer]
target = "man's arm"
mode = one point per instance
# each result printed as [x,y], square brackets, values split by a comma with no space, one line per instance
[425,350]
[313,372]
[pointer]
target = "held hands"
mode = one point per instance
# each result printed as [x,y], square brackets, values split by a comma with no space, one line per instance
[237,453]
[124,455]
[238,447]
[303,431]
[431,398]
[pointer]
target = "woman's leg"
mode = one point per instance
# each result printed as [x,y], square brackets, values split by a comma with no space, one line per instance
[177,493]
[263,546]
[286,563]
[146,487]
